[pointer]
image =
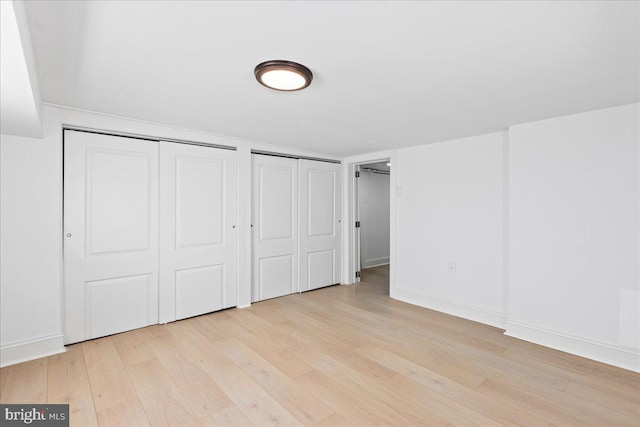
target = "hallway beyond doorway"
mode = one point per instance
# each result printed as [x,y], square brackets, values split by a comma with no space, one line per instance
[377,278]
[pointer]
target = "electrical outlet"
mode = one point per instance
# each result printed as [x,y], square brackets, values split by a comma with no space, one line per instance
[452,265]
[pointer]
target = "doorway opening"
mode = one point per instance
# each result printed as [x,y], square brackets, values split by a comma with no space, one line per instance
[372,212]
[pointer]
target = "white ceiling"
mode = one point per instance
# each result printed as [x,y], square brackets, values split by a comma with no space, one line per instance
[386,74]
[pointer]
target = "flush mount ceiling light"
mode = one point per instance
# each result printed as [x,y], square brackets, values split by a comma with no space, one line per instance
[283,75]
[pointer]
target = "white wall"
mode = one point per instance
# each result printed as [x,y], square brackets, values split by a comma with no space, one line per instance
[450,207]
[373,200]
[30,247]
[31,225]
[574,197]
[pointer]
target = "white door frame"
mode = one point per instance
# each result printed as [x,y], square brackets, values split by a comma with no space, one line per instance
[350,203]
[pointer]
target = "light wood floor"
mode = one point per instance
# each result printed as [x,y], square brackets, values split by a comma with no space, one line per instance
[344,355]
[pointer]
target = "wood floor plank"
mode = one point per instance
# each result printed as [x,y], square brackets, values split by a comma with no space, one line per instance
[196,343]
[406,408]
[526,395]
[231,416]
[279,354]
[280,310]
[623,404]
[114,397]
[355,361]
[216,325]
[123,415]
[354,334]
[333,420]
[307,409]
[133,346]
[25,382]
[190,377]
[628,390]
[256,404]
[461,366]
[589,404]
[347,402]
[469,375]
[68,382]
[553,412]
[163,402]
[285,337]
[465,399]
[573,364]
[426,403]
[330,329]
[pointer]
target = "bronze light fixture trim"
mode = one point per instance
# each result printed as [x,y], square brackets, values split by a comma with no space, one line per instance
[287,76]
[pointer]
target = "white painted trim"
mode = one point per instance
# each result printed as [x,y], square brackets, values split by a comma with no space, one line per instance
[375,262]
[35,348]
[465,311]
[622,357]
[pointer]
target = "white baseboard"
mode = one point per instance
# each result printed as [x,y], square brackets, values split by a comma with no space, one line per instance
[375,262]
[621,357]
[476,314]
[35,348]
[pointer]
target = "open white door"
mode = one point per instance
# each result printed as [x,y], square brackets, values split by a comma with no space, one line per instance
[320,209]
[198,235]
[111,234]
[275,226]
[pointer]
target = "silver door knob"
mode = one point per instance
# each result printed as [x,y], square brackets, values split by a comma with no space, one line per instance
[68,234]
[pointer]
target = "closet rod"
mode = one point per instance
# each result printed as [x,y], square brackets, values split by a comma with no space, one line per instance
[378,171]
[144,137]
[291,156]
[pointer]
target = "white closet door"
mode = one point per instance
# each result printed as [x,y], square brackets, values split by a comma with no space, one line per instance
[197,230]
[275,225]
[319,224]
[111,234]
